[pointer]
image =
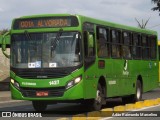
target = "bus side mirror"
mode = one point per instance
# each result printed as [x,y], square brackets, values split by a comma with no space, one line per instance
[4,42]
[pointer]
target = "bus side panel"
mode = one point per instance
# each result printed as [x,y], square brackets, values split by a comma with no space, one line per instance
[110,81]
[122,81]
[149,74]
[90,81]
[115,79]
[153,78]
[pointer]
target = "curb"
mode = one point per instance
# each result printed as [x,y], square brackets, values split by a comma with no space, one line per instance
[95,115]
[4,86]
[4,99]
[139,105]
[107,112]
[118,109]
[129,107]
[79,117]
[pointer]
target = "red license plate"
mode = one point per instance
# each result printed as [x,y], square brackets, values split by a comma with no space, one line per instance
[41,93]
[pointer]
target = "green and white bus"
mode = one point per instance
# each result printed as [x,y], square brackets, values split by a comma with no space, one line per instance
[73,58]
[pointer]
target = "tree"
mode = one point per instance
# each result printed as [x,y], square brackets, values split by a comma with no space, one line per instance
[157,2]
[2,32]
[142,24]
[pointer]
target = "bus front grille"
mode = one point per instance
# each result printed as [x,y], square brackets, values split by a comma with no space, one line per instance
[42,73]
[52,92]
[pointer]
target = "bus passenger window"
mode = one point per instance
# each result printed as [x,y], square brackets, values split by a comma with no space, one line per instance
[136,49]
[126,48]
[145,47]
[90,45]
[116,43]
[102,42]
[116,53]
[153,46]
[126,51]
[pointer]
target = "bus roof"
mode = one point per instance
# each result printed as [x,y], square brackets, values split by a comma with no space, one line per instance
[96,21]
[118,26]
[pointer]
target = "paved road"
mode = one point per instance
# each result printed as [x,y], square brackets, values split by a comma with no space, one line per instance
[67,110]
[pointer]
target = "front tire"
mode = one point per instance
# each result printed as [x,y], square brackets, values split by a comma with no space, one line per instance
[96,103]
[39,105]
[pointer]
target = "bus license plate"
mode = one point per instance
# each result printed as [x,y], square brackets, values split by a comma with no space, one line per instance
[41,93]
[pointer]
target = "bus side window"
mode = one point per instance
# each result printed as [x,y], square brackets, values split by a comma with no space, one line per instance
[145,47]
[153,41]
[126,48]
[136,49]
[89,46]
[116,44]
[102,42]
[89,49]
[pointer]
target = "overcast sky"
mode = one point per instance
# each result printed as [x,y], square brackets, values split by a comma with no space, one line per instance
[119,11]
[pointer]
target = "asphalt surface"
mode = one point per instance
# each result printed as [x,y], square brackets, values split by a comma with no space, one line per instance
[65,109]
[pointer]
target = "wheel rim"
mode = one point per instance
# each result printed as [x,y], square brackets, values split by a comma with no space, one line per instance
[138,93]
[98,97]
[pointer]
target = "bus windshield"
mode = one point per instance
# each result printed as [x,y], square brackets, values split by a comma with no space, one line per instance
[45,50]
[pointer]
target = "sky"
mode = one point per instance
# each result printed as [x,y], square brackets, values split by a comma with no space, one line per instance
[118,11]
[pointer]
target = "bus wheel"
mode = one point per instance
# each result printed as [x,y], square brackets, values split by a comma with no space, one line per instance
[97,102]
[138,95]
[39,105]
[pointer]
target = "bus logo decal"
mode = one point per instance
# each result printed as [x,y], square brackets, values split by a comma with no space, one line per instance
[150,65]
[125,65]
[125,69]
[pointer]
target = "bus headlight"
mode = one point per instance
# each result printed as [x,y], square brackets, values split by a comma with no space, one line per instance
[16,84]
[73,82]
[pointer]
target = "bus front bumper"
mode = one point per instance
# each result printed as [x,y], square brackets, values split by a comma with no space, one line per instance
[74,93]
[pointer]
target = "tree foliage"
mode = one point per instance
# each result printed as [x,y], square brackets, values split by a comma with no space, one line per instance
[157,8]
[3,31]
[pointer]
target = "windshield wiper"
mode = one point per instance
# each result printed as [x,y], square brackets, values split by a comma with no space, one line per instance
[56,40]
[75,37]
[27,35]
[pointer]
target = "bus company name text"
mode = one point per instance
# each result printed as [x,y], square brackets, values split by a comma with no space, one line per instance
[28,83]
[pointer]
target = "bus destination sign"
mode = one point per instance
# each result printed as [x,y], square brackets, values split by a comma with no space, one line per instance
[32,23]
